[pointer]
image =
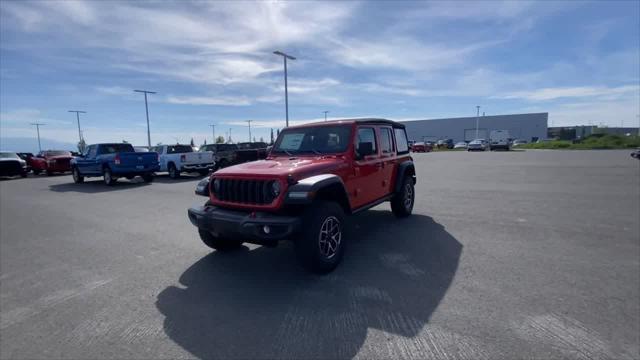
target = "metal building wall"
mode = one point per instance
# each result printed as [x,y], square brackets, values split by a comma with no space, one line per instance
[520,126]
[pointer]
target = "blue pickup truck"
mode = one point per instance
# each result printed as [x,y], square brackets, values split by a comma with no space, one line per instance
[112,161]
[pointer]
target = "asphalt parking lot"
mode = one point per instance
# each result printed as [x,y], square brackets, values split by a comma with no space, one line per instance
[508,255]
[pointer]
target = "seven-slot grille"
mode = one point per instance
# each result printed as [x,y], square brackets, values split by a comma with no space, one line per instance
[245,191]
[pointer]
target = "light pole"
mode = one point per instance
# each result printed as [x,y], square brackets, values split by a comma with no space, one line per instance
[37,125]
[286,92]
[325,114]
[146,107]
[229,135]
[249,121]
[78,112]
[213,132]
[477,120]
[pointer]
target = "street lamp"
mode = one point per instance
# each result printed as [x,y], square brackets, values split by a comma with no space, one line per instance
[78,112]
[37,125]
[213,132]
[286,92]
[477,120]
[146,107]
[249,121]
[325,114]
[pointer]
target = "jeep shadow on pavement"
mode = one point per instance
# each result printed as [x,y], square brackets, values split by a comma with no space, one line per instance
[314,178]
[257,304]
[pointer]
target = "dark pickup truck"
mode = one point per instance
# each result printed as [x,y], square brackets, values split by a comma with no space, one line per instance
[112,161]
[251,151]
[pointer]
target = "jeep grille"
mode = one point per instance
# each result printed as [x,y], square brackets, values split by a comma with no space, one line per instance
[245,191]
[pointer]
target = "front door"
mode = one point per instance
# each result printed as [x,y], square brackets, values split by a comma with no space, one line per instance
[365,188]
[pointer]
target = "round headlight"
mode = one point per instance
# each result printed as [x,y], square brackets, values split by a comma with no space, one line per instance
[275,188]
[216,185]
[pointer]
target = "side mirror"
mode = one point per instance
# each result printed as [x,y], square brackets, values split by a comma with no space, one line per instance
[364,149]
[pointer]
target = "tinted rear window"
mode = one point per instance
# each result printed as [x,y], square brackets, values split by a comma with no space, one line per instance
[115,148]
[179,149]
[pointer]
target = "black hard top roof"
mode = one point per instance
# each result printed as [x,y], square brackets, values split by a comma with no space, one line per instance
[359,121]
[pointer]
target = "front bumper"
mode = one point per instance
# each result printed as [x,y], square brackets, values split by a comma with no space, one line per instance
[239,224]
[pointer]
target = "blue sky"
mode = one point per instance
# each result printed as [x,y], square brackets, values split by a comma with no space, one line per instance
[212,63]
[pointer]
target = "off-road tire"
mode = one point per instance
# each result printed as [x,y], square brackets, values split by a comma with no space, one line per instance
[107,177]
[173,171]
[147,178]
[218,243]
[402,202]
[321,244]
[77,178]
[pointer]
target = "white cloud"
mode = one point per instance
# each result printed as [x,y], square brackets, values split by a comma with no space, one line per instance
[28,116]
[571,92]
[202,100]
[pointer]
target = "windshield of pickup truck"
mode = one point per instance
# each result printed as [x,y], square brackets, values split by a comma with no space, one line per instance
[313,140]
[219,147]
[179,149]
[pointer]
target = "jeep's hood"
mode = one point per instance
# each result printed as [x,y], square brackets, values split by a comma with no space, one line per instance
[298,167]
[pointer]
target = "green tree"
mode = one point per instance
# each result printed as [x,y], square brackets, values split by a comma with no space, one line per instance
[220,140]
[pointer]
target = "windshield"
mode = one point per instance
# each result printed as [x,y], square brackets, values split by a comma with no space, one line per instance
[57,153]
[8,155]
[313,140]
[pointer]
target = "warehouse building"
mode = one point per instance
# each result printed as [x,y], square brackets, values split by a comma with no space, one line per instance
[529,127]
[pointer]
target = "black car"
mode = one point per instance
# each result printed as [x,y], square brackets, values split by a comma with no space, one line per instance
[445,144]
[11,164]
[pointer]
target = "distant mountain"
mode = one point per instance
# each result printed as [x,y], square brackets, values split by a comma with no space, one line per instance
[31,144]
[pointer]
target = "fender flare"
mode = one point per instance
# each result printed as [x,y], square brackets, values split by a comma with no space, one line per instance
[304,191]
[406,168]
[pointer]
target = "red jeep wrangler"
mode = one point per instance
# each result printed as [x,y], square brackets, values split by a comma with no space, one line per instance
[314,176]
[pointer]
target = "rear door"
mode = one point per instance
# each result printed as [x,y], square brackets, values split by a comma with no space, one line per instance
[366,185]
[387,158]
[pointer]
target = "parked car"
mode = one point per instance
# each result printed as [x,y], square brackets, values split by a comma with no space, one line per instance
[175,159]
[445,144]
[112,161]
[519,142]
[421,147]
[499,139]
[26,156]
[51,161]
[251,151]
[411,142]
[12,165]
[315,176]
[636,154]
[478,145]
[460,145]
[223,154]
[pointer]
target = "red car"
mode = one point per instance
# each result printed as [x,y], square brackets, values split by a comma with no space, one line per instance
[314,177]
[421,147]
[51,161]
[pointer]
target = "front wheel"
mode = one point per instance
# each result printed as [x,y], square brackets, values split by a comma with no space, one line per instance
[402,202]
[107,176]
[218,243]
[77,178]
[23,174]
[322,242]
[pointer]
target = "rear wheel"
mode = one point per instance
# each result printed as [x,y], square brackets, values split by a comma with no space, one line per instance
[173,172]
[218,243]
[402,202]
[107,176]
[147,177]
[322,242]
[77,178]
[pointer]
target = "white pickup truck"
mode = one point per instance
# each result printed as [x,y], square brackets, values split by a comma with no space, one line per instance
[175,159]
